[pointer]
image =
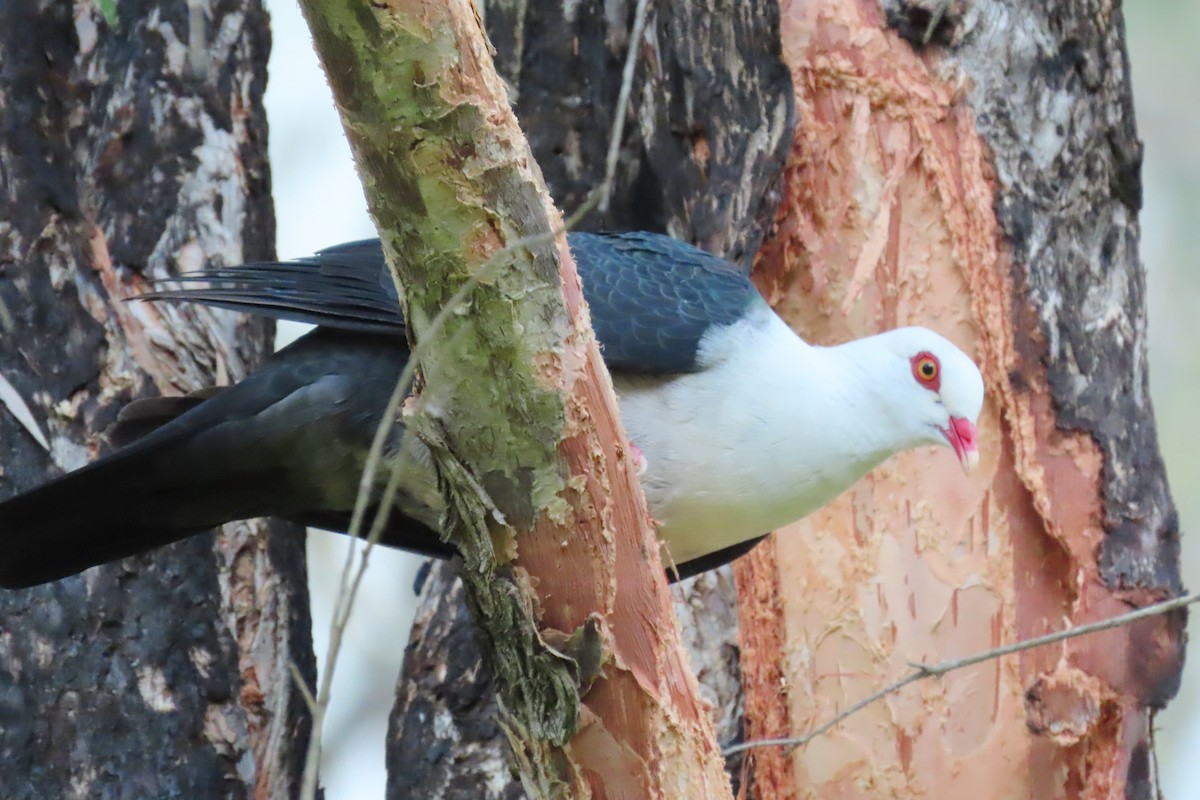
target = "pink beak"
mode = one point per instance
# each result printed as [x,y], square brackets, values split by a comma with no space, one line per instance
[963,437]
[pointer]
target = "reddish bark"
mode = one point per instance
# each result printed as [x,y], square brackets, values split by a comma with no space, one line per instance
[894,214]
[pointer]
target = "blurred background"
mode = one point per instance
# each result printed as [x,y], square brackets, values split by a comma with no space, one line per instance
[318,202]
[1163,38]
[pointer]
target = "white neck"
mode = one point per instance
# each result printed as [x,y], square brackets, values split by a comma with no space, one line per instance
[770,431]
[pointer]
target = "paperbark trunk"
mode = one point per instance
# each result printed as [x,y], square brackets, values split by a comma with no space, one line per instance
[132,147]
[986,185]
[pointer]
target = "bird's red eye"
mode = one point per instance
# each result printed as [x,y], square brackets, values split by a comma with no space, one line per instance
[927,370]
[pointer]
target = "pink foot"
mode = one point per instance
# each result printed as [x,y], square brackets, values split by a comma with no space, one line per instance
[639,460]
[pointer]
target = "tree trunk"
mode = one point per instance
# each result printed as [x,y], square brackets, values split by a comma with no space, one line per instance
[701,159]
[988,186]
[132,147]
[517,412]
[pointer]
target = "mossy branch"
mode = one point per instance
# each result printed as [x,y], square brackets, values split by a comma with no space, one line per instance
[451,184]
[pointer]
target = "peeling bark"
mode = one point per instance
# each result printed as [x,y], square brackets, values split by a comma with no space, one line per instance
[987,188]
[762,637]
[443,739]
[701,159]
[127,155]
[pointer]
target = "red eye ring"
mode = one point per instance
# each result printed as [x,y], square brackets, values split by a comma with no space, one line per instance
[927,370]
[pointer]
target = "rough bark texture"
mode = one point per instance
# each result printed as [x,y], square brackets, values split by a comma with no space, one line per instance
[444,736]
[1068,160]
[707,124]
[125,154]
[762,633]
[518,414]
[701,159]
[986,186]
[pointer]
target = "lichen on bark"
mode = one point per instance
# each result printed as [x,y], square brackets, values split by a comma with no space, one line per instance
[422,137]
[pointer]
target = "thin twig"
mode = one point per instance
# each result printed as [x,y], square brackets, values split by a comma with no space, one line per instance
[618,126]
[935,19]
[921,671]
[305,693]
[348,586]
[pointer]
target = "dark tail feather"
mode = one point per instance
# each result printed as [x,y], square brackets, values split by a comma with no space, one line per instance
[85,518]
[285,441]
[346,287]
[109,511]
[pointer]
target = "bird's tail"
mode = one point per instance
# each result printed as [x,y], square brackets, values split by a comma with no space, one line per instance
[111,509]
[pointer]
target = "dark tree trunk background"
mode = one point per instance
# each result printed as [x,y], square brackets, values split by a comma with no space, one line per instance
[131,149]
[701,159]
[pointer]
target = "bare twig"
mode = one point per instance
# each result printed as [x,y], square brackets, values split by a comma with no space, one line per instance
[935,19]
[921,671]
[6,318]
[618,127]
[309,700]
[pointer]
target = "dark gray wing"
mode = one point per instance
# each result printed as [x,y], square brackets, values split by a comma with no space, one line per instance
[652,298]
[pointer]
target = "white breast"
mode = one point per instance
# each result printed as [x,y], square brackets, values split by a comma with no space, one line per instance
[762,436]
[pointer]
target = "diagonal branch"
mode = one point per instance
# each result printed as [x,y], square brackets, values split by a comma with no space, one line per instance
[450,183]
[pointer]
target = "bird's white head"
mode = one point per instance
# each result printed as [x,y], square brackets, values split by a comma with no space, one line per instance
[935,391]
